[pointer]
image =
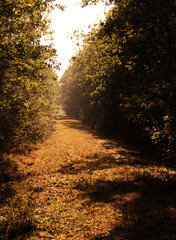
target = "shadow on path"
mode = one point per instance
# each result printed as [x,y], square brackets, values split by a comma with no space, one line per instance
[146,155]
[147,203]
[148,207]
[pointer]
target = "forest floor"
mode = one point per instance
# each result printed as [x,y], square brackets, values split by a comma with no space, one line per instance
[79,185]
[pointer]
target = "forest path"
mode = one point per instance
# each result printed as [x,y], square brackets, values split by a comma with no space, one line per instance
[88,187]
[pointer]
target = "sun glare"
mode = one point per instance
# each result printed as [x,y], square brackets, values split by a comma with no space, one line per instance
[74,18]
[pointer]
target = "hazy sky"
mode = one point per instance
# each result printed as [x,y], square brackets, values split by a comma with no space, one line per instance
[73,18]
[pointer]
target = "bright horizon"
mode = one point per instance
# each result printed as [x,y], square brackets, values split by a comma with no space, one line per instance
[73,18]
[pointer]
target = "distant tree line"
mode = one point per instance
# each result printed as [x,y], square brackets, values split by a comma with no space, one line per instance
[125,73]
[28,88]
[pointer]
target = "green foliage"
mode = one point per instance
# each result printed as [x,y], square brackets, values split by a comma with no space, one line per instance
[28,79]
[20,215]
[126,69]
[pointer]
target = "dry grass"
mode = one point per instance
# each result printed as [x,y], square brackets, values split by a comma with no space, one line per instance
[87,187]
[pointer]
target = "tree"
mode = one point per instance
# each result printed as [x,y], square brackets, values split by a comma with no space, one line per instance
[127,70]
[27,85]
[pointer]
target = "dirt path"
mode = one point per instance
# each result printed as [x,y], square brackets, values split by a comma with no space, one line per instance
[86,187]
